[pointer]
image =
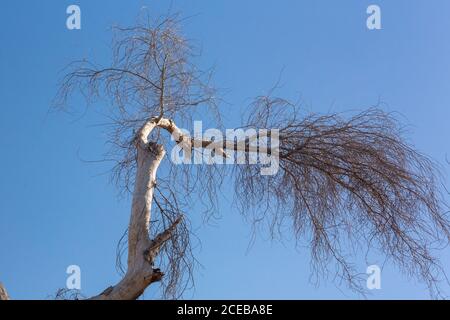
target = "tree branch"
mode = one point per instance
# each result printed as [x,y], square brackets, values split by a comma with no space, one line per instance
[159,240]
[219,146]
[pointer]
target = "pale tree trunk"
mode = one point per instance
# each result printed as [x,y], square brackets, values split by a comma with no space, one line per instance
[141,249]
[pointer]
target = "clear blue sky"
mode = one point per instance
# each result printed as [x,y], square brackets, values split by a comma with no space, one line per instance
[57,210]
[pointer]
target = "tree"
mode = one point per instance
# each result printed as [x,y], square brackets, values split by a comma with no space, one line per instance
[340,178]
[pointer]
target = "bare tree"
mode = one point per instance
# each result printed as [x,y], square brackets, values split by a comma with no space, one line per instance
[344,182]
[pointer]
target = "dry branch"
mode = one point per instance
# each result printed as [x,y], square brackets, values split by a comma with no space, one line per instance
[344,182]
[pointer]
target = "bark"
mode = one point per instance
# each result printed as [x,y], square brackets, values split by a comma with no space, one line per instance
[141,249]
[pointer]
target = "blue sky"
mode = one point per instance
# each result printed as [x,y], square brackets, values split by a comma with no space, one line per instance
[57,210]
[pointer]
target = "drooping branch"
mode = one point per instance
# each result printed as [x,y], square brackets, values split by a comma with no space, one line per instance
[348,183]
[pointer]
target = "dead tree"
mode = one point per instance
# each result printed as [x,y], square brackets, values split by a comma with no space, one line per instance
[344,182]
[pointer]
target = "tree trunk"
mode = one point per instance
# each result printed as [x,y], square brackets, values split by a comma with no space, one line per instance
[141,249]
